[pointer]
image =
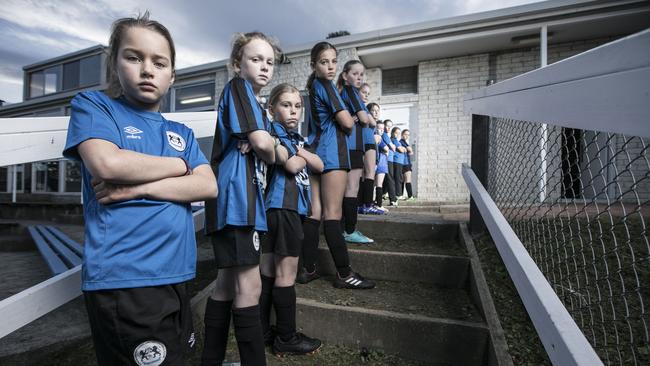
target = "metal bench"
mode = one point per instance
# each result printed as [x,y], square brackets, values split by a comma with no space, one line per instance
[59,251]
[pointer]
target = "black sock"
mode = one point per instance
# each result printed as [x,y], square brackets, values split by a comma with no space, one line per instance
[217,325]
[248,332]
[367,191]
[266,300]
[350,205]
[284,302]
[337,246]
[310,244]
[379,193]
[409,190]
[360,191]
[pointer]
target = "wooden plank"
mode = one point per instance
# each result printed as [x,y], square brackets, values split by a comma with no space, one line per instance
[25,140]
[76,247]
[24,307]
[68,256]
[51,258]
[563,340]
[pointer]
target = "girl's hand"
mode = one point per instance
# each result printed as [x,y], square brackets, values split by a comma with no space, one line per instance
[244,146]
[107,193]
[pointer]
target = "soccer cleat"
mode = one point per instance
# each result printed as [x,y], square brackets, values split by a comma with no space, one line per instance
[374,210]
[393,204]
[357,238]
[354,281]
[381,208]
[304,277]
[410,199]
[298,344]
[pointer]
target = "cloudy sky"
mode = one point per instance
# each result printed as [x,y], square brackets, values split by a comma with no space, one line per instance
[35,30]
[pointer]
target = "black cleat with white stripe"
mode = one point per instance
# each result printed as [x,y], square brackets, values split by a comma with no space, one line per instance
[354,281]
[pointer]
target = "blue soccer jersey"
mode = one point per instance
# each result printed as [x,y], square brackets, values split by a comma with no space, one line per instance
[326,138]
[398,157]
[354,104]
[139,242]
[407,157]
[385,138]
[241,178]
[285,190]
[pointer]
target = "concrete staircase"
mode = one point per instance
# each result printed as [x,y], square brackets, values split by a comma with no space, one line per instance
[421,308]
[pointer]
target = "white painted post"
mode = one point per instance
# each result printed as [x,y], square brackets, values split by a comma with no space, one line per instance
[13,183]
[543,44]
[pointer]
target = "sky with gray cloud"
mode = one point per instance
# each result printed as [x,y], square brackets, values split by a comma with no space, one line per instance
[35,30]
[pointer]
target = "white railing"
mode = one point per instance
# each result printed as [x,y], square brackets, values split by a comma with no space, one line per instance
[25,140]
[605,92]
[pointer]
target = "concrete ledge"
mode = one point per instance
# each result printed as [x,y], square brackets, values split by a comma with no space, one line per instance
[440,270]
[439,341]
[406,230]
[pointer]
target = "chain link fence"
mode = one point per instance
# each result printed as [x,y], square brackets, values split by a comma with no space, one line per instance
[579,201]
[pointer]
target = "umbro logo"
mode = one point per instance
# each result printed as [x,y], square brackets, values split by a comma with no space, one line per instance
[132,132]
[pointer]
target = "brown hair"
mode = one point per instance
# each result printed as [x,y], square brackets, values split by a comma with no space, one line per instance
[240,40]
[315,54]
[346,68]
[280,89]
[118,29]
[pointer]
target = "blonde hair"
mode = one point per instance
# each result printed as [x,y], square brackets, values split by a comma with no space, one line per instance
[118,29]
[240,40]
[281,89]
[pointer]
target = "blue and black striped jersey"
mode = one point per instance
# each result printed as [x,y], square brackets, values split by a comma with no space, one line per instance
[241,178]
[354,104]
[285,190]
[326,138]
[407,157]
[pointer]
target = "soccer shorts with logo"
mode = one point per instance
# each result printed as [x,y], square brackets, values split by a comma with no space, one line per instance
[236,246]
[141,325]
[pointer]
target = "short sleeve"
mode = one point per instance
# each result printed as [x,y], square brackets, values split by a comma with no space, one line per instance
[193,153]
[91,118]
[355,103]
[386,139]
[244,112]
[285,139]
[329,95]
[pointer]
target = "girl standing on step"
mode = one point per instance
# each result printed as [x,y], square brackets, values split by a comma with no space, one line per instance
[389,182]
[287,203]
[367,205]
[407,163]
[241,149]
[330,123]
[140,173]
[382,159]
[348,85]
[398,160]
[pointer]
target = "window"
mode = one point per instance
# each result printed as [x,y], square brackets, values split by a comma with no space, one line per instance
[56,176]
[6,180]
[72,176]
[71,75]
[199,96]
[45,82]
[399,81]
[89,70]
[67,76]
[46,176]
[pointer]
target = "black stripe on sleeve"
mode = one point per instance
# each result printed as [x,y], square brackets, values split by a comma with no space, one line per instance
[246,120]
[353,95]
[334,101]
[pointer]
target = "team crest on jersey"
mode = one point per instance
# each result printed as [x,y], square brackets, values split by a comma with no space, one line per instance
[150,353]
[256,241]
[132,132]
[176,141]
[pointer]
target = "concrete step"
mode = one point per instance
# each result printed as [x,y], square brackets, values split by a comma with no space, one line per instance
[413,320]
[439,270]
